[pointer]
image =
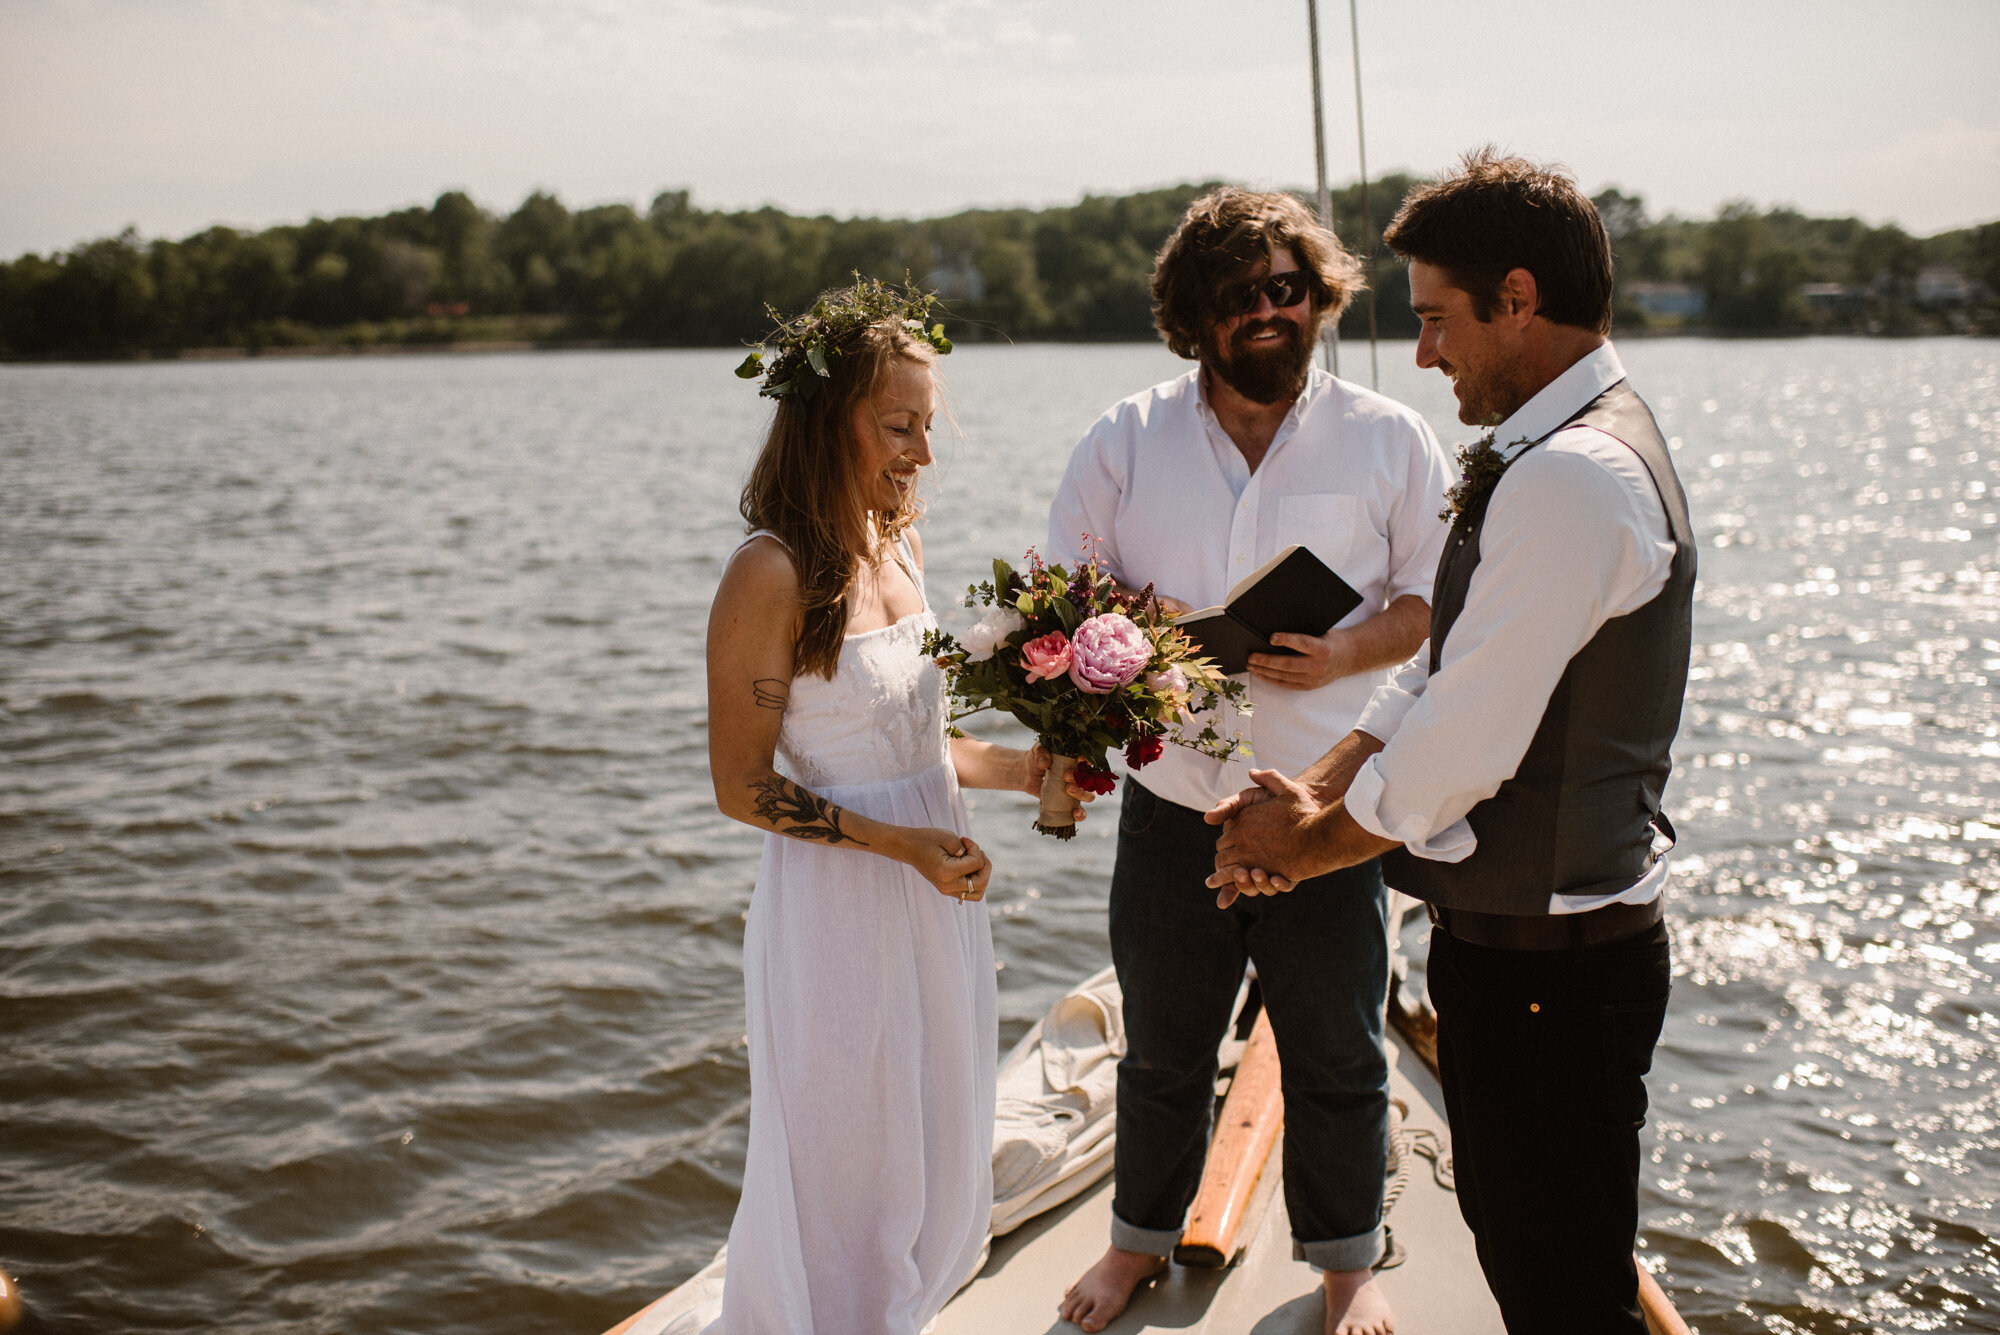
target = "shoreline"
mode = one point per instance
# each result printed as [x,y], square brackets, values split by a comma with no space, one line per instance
[465,347]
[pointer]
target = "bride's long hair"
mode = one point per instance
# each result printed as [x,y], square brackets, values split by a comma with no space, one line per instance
[806,487]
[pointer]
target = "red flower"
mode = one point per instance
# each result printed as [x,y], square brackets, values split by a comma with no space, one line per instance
[1093,780]
[1143,751]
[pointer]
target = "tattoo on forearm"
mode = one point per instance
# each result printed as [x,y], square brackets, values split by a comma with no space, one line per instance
[770,692]
[800,814]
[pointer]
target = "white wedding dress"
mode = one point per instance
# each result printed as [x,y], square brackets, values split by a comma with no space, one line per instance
[868,1184]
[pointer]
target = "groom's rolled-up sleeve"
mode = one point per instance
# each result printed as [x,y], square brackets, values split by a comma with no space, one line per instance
[1391,703]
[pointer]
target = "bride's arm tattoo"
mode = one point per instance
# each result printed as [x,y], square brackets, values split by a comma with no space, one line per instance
[800,814]
[770,692]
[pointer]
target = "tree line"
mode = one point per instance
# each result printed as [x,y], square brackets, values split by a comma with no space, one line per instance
[679,275]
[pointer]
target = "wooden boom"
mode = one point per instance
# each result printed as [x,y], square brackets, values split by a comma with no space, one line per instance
[10,1303]
[1251,1116]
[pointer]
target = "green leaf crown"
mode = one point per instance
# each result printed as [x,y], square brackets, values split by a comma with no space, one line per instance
[807,345]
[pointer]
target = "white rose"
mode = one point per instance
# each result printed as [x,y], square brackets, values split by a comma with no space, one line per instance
[990,632]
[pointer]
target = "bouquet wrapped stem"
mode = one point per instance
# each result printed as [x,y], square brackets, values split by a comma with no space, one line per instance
[1058,811]
[1088,668]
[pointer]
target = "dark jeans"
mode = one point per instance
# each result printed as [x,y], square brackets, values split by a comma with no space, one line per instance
[1322,965]
[1543,1056]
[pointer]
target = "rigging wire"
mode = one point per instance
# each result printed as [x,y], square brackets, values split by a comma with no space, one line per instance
[1331,336]
[1367,218]
[1361,144]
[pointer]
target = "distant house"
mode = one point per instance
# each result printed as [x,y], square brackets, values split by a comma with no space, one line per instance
[1683,301]
[1830,297]
[1943,285]
[956,279]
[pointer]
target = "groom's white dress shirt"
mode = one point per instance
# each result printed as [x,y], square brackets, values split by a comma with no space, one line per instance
[1166,497]
[1575,535]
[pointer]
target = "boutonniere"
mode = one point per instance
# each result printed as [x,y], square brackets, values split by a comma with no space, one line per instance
[1479,468]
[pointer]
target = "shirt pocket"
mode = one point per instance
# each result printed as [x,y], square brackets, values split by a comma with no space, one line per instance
[1335,527]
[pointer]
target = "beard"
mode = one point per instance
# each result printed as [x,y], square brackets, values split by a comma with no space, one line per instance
[1493,393]
[1264,372]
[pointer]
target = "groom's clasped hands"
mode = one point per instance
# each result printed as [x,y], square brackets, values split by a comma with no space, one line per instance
[1263,831]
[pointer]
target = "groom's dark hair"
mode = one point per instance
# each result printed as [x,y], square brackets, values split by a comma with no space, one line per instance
[1497,214]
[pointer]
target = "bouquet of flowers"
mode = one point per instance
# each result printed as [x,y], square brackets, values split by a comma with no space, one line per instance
[1087,667]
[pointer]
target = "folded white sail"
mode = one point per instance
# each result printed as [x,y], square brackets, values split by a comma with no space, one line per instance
[1055,1127]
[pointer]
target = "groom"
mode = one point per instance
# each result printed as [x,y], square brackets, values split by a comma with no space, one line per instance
[1189,486]
[1512,773]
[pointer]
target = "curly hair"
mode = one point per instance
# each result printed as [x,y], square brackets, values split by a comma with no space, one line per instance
[1497,214]
[1227,236]
[806,485]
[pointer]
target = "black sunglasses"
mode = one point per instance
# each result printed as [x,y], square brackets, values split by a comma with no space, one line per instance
[1284,289]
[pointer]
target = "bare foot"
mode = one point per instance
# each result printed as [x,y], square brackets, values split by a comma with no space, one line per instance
[1356,1305]
[1095,1301]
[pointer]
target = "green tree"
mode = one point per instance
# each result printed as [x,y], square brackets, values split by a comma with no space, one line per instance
[469,270]
[99,302]
[1887,261]
[1985,256]
[537,242]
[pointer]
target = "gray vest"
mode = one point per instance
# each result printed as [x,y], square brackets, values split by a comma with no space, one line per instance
[1577,817]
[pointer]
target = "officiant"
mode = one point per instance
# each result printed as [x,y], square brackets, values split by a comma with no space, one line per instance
[1189,486]
[1513,771]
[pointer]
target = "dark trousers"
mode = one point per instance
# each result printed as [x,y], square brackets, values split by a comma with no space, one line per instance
[1543,1056]
[1322,965]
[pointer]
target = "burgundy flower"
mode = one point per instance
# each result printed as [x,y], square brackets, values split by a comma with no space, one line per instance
[1141,751]
[1093,780]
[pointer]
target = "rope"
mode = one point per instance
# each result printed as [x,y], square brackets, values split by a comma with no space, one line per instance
[1405,1141]
[1425,1142]
[1399,1155]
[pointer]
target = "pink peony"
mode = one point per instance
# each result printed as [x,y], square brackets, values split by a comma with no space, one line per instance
[1171,681]
[1048,657]
[1108,651]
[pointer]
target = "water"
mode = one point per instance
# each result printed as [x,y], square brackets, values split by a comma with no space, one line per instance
[369,943]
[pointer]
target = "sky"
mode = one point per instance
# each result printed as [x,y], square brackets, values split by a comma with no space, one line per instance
[172,115]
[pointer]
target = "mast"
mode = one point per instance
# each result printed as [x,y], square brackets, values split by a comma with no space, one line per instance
[1361,144]
[1331,336]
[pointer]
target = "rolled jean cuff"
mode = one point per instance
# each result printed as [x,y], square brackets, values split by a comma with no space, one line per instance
[1359,1252]
[1152,1241]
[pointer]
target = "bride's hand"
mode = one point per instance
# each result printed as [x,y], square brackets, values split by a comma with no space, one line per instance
[955,866]
[1034,765]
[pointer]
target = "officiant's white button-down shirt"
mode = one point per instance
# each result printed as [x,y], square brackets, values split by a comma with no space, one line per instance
[1574,536]
[1164,496]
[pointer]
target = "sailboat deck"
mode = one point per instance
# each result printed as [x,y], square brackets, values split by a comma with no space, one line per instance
[1438,1288]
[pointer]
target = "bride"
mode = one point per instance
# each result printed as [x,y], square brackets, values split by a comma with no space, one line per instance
[867,961]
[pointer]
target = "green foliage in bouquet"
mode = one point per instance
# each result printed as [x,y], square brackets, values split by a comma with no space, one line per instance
[1086,666]
[807,345]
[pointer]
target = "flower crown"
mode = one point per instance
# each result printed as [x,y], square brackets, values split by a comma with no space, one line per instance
[808,344]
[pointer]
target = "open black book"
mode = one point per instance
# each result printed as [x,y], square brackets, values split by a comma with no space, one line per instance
[1293,591]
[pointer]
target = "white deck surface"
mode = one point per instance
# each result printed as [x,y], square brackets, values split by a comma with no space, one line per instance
[1438,1290]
